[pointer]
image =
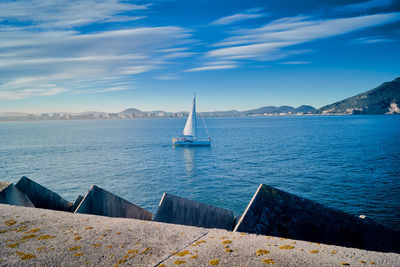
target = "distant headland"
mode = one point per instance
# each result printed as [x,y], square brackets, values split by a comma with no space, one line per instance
[384,99]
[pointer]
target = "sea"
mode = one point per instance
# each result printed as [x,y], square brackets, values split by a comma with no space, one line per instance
[351,163]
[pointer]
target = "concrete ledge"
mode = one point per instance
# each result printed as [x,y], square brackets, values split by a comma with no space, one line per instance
[278,213]
[178,210]
[42,197]
[38,237]
[101,202]
[9,194]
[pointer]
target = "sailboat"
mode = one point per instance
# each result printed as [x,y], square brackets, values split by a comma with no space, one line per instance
[189,137]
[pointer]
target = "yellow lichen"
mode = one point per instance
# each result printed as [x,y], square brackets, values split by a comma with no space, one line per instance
[108,247]
[43,237]
[194,256]
[145,250]
[78,254]
[344,263]
[286,247]
[198,243]
[32,230]
[161,265]
[13,245]
[29,236]
[89,227]
[262,252]
[361,261]
[40,248]
[179,262]
[3,231]
[96,245]
[333,252]
[226,242]
[75,248]
[228,250]
[268,261]
[77,238]
[10,222]
[314,251]
[133,251]
[118,233]
[183,253]
[21,228]
[243,233]
[214,262]
[25,256]
[223,237]
[371,262]
[121,261]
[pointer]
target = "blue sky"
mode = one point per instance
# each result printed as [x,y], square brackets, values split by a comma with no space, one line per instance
[108,55]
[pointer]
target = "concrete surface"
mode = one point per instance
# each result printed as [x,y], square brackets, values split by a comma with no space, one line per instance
[9,194]
[101,202]
[178,210]
[39,237]
[278,213]
[42,197]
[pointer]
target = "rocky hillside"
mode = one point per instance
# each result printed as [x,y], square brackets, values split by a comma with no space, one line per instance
[384,99]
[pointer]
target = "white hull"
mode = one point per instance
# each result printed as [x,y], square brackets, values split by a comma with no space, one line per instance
[188,142]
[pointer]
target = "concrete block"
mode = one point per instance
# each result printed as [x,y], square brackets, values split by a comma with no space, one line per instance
[76,203]
[178,210]
[278,213]
[42,197]
[101,202]
[9,194]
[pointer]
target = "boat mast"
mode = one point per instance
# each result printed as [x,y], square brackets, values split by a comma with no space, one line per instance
[194,114]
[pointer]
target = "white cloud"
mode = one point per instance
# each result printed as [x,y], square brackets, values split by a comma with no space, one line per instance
[75,61]
[372,40]
[67,13]
[270,41]
[212,67]
[236,17]
[248,14]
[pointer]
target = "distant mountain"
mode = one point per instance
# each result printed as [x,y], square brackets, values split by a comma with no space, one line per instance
[130,111]
[279,110]
[384,99]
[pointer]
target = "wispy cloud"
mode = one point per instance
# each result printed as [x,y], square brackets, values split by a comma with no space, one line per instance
[43,53]
[215,66]
[67,13]
[270,42]
[372,40]
[61,57]
[249,14]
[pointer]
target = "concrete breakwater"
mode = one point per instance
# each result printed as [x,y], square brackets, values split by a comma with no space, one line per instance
[271,212]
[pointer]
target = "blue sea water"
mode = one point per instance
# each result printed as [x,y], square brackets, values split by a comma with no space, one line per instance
[347,162]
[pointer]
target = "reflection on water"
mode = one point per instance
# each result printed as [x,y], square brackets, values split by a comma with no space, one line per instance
[189,159]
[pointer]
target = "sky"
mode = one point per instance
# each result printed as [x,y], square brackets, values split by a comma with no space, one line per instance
[109,55]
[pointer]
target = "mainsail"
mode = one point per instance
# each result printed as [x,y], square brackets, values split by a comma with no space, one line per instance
[190,127]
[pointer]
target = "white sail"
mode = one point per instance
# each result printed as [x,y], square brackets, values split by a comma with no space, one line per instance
[190,127]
